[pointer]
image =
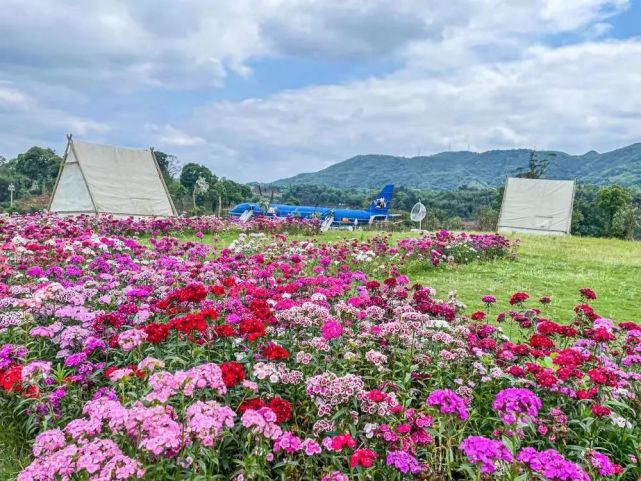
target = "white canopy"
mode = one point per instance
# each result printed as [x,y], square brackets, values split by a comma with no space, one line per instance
[97,179]
[537,206]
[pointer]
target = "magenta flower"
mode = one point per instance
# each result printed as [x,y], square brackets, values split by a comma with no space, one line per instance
[448,402]
[516,405]
[486,452]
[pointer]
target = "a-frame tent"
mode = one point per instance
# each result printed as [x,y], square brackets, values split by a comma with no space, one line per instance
[105,179]
[537,206]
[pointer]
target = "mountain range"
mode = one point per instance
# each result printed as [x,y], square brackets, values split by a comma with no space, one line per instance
[451,170]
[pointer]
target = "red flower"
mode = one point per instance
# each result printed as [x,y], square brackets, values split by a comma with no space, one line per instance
[600,411]
[217,290]
[602,375]
[255,404]
[583,394]
[190,322]
[518,298]
[274,352]
[546,378]
[233,373]
[376,395]
[478,316]
[252,328]
[156,332]
[281,408]
[516,371]
[539,341]
[588,293]
[10,380]
[600,334]
[225,330]
[545,300]
[362,457]
[337,443]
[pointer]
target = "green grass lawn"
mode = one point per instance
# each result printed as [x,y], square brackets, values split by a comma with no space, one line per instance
[553,266]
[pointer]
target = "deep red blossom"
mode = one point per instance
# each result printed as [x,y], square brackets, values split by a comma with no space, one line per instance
[478,316]
[10,379]
[233,373]
[225,330]
[281,408]
[540,341]
[190,322]
[254,403]
[600,411]
[600,334]
[156,332]
[217,290]
[252,328]
[518,298]
[274,352]
[588,293]
[601,375]
[362,457]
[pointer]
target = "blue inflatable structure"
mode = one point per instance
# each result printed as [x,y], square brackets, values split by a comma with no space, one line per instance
[377,211]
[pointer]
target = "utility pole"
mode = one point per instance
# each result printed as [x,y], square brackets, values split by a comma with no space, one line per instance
[12,189]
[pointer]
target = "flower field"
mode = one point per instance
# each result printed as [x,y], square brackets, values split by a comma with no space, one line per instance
[280,358]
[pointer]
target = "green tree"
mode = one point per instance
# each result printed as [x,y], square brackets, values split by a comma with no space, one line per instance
[168,164]
[626,221]
[37,164]
[191,172]
[612,199]
[536,167]
[4,189]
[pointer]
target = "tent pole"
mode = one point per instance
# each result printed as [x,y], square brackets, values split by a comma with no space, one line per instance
[498,223]
[162,179]
[62,166]
[569,229]
[93,202]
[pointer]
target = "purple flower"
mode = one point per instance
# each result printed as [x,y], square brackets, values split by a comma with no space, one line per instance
[604,464]
[551,465]
[75,359]
[487,452]
[516,405]
[448,402]
[404,462]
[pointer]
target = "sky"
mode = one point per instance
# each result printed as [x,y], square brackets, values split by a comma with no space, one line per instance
[261,90]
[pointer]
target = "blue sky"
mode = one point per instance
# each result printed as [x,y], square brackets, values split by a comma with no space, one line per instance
[264,89]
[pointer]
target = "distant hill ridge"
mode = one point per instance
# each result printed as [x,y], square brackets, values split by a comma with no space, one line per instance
[450,170]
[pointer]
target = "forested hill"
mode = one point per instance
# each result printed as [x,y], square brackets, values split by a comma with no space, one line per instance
[450,170]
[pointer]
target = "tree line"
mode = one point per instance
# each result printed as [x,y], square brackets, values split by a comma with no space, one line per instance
[611,211]
[194,188]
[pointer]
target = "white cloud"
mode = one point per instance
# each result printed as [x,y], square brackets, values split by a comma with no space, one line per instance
[574,98]
[477,72]
[169,135]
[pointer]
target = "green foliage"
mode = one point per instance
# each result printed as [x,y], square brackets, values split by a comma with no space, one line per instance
[39,164]
[626,222]
[168,165]
[536,167]
[612,199]
[191,172]
[451,170]
[4,189]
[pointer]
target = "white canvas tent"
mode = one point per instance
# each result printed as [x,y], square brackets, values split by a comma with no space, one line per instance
[537,206]
[105,179]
